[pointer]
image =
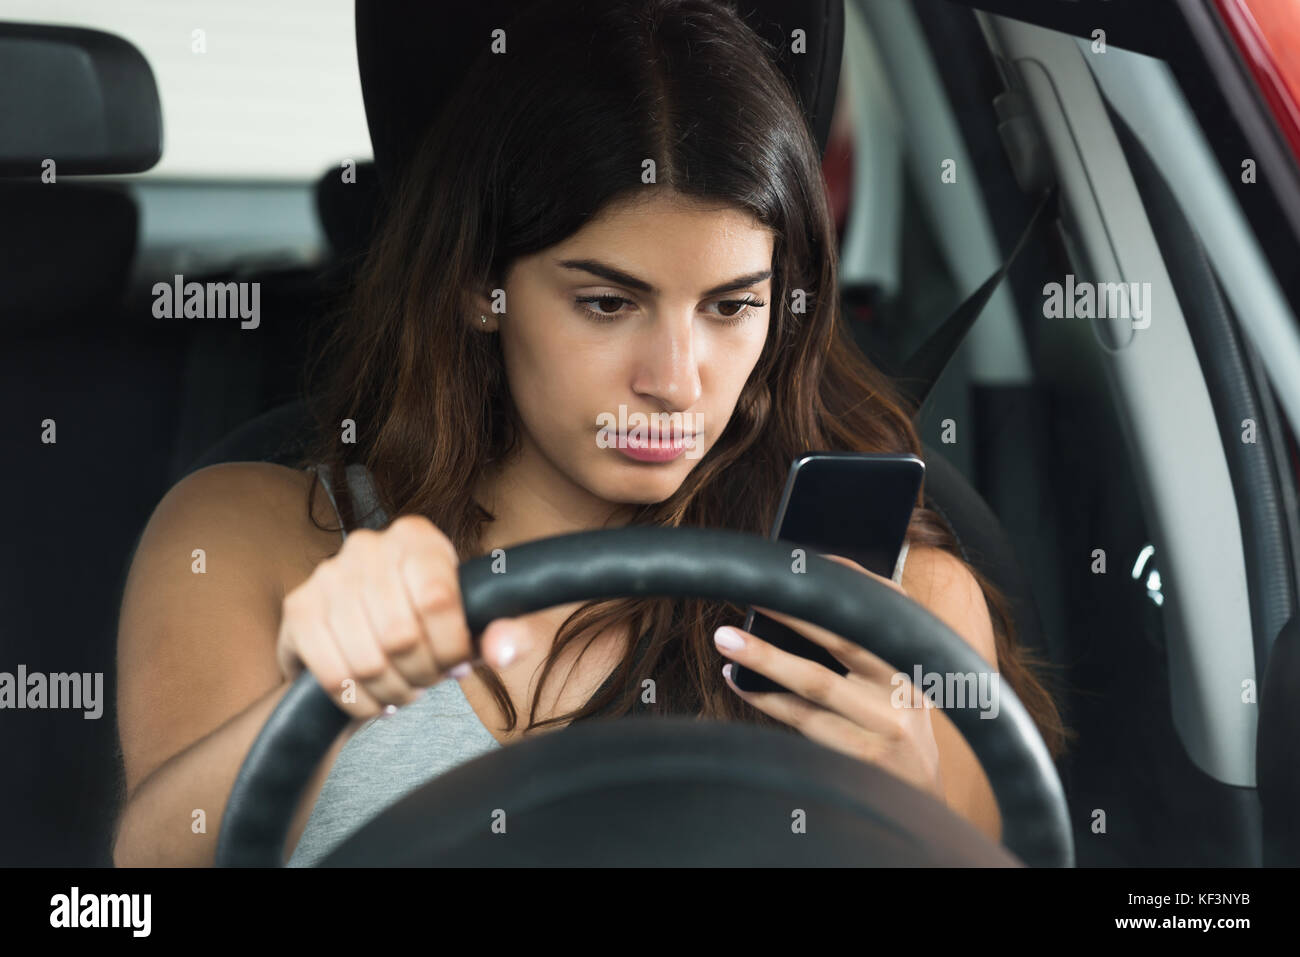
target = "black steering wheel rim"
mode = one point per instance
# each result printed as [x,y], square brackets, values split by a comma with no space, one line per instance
[703,563]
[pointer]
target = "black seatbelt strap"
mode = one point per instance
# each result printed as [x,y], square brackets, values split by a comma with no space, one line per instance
[922,369]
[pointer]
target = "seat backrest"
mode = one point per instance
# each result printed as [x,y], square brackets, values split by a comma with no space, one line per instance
[94,228]
[349,205]
[279,436]
[411,56]
[985,545]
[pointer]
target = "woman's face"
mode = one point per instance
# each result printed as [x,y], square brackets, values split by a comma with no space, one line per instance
[631,339]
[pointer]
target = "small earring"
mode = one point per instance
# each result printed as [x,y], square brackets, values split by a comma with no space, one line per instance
[483,319]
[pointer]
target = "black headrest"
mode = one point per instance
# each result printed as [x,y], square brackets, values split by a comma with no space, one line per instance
[82,98]
[411,57]
[347,208]
[69,260]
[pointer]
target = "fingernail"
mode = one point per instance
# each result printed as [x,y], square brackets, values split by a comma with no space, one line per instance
[461,670]
[389,709]
[726,671]
[507,651]
[728,639]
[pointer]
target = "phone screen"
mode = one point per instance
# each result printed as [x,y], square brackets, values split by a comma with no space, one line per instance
[853,504]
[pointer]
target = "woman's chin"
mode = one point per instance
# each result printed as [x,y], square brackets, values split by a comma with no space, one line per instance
[643,486]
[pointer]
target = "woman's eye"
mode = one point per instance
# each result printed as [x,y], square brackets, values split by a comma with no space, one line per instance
[736,311]
[607,307]
[732,312]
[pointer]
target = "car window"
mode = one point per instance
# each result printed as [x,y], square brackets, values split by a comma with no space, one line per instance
[249,90]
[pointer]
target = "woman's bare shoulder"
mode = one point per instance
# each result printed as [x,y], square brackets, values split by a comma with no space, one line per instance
[268,503]
[943,584]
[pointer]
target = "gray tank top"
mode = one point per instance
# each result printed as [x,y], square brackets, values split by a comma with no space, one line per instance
[389,757]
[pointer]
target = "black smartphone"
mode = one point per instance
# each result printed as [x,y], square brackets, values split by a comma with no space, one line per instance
[854,504]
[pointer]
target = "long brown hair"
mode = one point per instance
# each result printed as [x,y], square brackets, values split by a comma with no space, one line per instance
[532,145]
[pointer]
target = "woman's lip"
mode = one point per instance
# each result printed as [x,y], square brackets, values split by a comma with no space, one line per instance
[654,454]
[626,441]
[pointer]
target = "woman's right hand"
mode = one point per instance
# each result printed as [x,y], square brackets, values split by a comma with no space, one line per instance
[382,620]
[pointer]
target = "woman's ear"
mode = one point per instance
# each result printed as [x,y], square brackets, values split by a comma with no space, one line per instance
[487,313]
[484,318]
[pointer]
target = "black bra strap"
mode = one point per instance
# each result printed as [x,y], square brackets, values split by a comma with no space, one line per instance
[339,494]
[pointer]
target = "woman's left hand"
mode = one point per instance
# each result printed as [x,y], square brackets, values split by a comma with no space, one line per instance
[854,713]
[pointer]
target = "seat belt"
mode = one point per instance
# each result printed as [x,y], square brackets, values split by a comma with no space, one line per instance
[923,367]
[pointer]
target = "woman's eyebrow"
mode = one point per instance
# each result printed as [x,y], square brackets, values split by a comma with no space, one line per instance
[610,274]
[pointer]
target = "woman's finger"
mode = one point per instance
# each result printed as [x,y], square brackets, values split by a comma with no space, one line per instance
[865,701]
[796,711]
[848,653]
[890,748]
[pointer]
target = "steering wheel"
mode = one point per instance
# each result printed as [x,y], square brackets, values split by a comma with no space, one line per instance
[672,790]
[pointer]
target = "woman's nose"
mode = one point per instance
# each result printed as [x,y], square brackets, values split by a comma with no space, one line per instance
[666,364]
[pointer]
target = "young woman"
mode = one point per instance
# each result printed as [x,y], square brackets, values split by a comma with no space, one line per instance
[624,211]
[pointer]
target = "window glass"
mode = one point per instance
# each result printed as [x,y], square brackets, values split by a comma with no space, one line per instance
[249,89]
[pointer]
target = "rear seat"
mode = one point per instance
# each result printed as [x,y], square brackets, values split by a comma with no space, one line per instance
[74,506]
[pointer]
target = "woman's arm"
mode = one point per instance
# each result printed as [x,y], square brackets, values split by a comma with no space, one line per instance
[940,583]
[197,671]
